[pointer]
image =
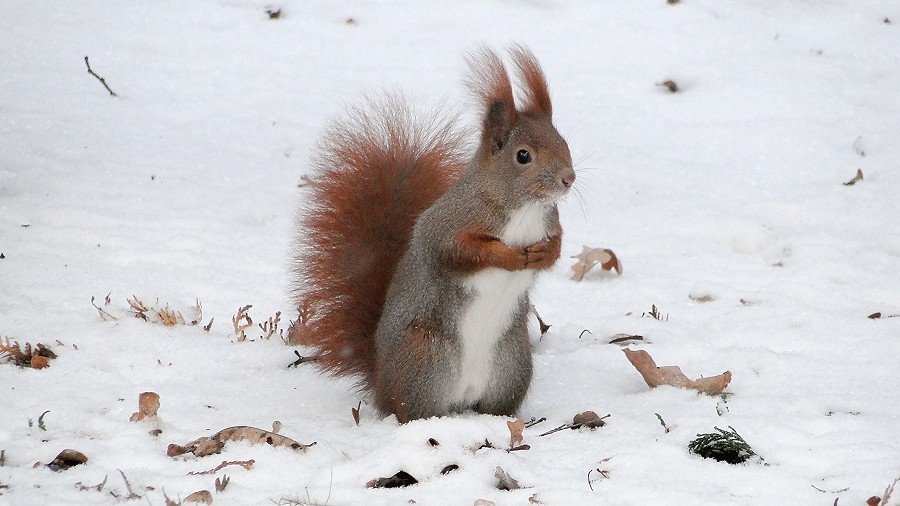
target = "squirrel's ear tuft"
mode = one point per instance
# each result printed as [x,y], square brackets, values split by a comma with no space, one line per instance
[498,122]
[490,83]
[536,96]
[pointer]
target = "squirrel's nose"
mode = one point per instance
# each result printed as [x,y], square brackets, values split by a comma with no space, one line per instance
[568,178]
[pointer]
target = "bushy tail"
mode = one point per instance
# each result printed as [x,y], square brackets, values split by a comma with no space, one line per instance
[375,171]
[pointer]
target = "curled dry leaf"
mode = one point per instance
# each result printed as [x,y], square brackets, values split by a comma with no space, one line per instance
[857,178]
[587,419]
[148,405]
[401,479]
[672,375]
[505,481]
[66,459]
[36,357]
[670,85]
[516,427]
[246,464]
[200,497]
[204,446]
[221,483]
[623,339]
[589,257]
[543,325]
[39,362]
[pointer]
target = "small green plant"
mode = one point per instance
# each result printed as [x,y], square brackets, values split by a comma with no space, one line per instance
[724,446]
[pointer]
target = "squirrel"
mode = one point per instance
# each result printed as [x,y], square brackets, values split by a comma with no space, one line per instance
[416,254]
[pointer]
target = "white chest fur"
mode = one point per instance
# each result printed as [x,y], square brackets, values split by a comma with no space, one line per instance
[496,294]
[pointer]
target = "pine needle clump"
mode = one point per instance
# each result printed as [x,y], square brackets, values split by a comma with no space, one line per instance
[724,446]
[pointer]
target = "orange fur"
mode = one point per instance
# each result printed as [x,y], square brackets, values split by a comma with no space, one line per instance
[475,250]
[374,174]
[536,99]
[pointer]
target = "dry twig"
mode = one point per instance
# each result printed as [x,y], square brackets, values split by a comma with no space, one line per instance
[102,81]
[246,464]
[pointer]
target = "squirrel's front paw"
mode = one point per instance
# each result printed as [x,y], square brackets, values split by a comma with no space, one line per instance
[542,255]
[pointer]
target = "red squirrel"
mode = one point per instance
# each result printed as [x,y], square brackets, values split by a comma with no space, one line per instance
[417,252]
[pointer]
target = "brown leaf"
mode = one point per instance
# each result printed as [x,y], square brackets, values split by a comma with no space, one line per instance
[204,446]
[515,432]
[200,496]
[589,257]
[857,178]
[148,405]
[39,362]
[873,501]
[221,483]
[541,323]
[355,412]
[669,85]
[66,459]
[401,479]
[246,464]
[587,419]
[672,375]
[624,338]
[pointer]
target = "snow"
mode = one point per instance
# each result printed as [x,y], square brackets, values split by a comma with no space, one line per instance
[185,187]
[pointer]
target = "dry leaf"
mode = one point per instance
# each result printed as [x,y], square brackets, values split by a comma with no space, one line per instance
[669,85]
[36,357]
[246,464]
[505,481]
[589,257]
[401,479]
[204,446]
[587,419]
[857,178]
[355,412]
[200,496]
[66,459]
[242,322]
[515,432]
[624,338]
[221,483]
[39,362]
[543,325]
[148,405]
[672,375]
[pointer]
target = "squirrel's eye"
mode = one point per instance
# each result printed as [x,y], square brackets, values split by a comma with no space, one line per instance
[523,156]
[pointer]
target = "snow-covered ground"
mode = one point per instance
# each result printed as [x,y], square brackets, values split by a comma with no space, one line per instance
[185,186]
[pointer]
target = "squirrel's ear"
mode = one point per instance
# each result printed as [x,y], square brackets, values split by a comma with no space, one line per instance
[535,94]
[499,121]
